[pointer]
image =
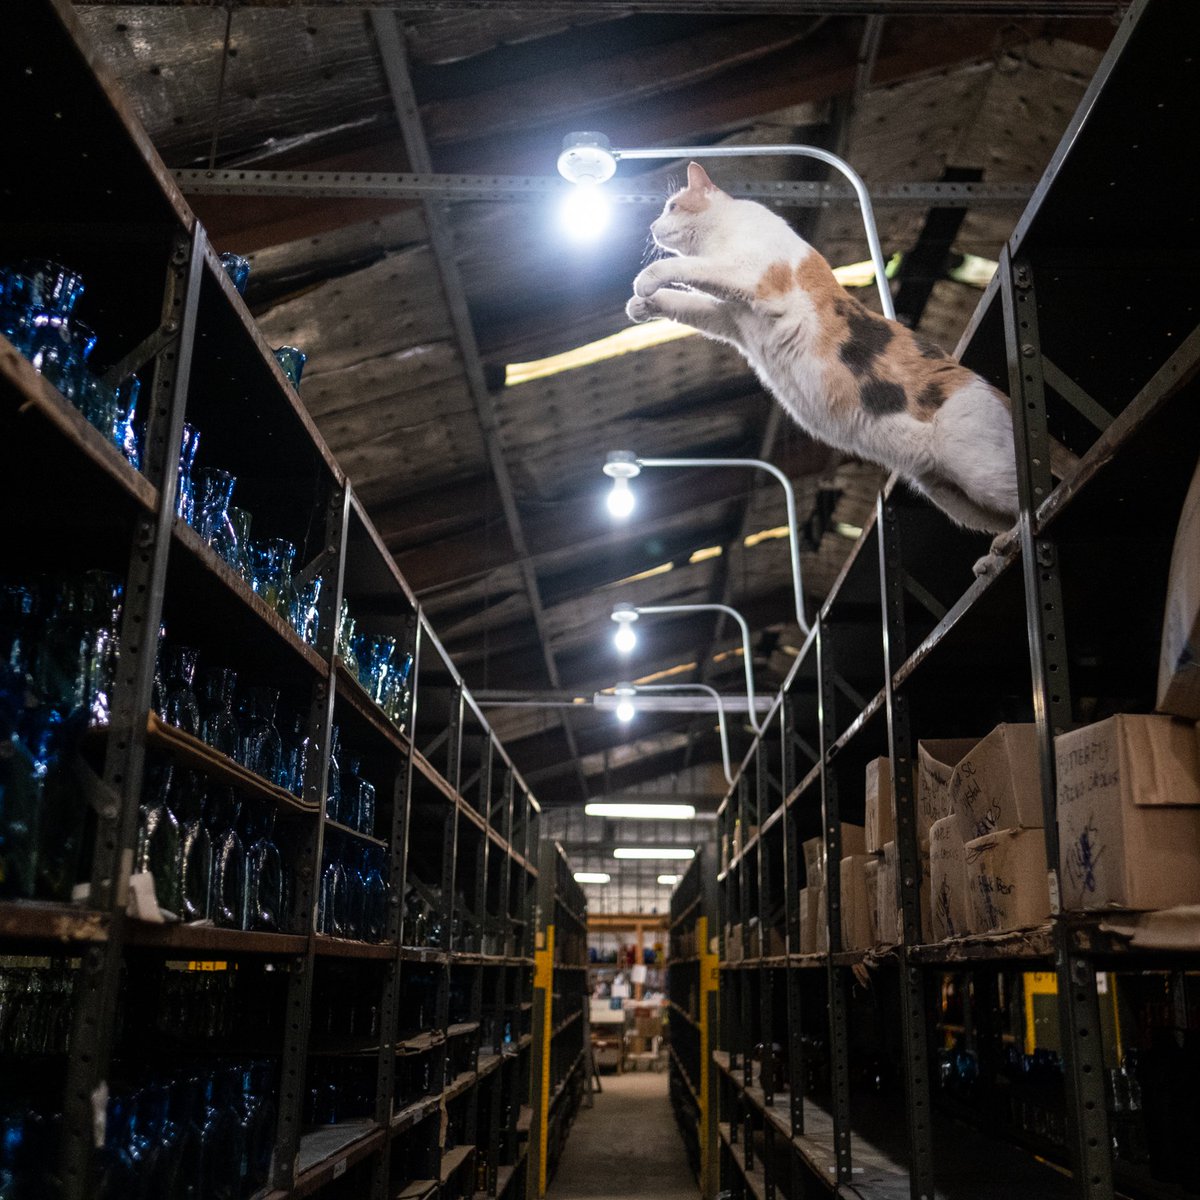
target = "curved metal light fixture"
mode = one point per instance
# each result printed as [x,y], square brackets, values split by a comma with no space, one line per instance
[625,614]
[623,465]
[590,159]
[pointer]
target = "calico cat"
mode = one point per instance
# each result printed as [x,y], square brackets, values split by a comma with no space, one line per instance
[852,379]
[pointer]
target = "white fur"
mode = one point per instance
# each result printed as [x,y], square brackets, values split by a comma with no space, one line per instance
[962,460]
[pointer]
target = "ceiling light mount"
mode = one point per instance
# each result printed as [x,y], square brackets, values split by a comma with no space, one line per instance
[587,158]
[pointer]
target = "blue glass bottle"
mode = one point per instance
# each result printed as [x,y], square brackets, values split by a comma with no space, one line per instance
[229,859]
[195,852]
[185,498]
[264,885]
[374,924]
[158,842]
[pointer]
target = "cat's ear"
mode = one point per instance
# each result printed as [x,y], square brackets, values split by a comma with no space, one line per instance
[698,178]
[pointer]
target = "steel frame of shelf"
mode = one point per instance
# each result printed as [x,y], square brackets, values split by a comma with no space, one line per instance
[1072,945]
[504,823]
[560,982]
[693,910]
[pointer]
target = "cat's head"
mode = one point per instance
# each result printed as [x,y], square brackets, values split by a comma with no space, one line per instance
[692,217]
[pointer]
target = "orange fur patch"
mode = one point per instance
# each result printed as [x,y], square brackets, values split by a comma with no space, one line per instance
[776,280]
[926,382]
[691,201]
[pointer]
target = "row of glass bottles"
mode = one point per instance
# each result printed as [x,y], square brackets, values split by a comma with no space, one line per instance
[29,1137]
[35,1009]
[213,855]
[37,315]
[206,1135]
[349,798]
[290,359]
[59,642]
[242,726]
[371,658]
[205,501]
[354,891]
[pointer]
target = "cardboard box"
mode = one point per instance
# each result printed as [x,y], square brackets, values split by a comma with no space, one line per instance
[891,921]
[1179,657]
[889,896]
[733,943]
[879,827]
[871,872]
[776,945]
[853,842]
[1010,884]
[997,784]
[856,917]
[808,920]
[1129,813]
[950,903]
[936,760]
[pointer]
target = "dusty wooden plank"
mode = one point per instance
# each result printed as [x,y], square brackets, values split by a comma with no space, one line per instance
[391,305]
[417,377]
[573,91]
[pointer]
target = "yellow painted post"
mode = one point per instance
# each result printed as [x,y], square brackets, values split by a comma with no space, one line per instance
[543,979]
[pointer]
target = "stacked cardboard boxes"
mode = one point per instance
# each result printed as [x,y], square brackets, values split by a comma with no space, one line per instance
[1129,813]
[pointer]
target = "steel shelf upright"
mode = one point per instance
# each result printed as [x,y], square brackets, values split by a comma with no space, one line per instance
[560,997]
[692,980]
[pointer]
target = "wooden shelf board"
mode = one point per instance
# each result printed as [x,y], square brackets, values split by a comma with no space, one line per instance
[209,939]
[40,921]
[452,1160]
[191,752]
[325,1153]
[37,395]
[355,697]
[325,946]
[234,586]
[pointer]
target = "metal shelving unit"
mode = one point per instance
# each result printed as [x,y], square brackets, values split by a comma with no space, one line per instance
[1090,325]
[692,1003]
[452,811]
[560,1000]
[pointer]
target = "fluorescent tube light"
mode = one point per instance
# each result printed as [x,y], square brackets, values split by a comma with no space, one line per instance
[668,880]
[654,852]
[592,877]
[649,812]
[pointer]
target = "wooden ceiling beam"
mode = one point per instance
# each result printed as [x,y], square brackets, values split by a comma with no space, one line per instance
[819,68]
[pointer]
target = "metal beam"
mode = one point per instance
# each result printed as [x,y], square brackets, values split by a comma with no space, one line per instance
[394,54]
[428,186]
[791,8]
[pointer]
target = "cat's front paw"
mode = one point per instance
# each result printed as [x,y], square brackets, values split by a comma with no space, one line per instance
[989,564]
[639,309]
[648,282]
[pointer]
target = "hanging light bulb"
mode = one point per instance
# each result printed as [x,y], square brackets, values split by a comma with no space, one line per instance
[624,639]
[625,709]
[620,499]
[621,466]
[585,212]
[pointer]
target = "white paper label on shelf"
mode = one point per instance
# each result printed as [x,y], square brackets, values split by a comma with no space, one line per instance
[100,1115]
[1101,983]
[1055,900]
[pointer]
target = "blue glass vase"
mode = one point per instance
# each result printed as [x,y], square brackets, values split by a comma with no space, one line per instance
[238,270]
[185,499]
[291,361]
[158,844]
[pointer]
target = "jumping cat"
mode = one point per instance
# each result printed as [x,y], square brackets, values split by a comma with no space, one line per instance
[852,379]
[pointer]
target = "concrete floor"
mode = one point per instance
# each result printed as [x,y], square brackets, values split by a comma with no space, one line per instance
[627,1145]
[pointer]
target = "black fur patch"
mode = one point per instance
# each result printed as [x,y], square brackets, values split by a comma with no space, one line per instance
[841,307]
[932,395]
[880,398]
[869,336]
[927,348]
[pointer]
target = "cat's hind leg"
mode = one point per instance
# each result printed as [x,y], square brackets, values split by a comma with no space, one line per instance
[689,308]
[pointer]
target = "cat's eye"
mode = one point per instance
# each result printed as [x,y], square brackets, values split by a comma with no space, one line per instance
[670,206]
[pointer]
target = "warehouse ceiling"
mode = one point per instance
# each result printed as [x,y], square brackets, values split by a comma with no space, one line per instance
[491,496]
